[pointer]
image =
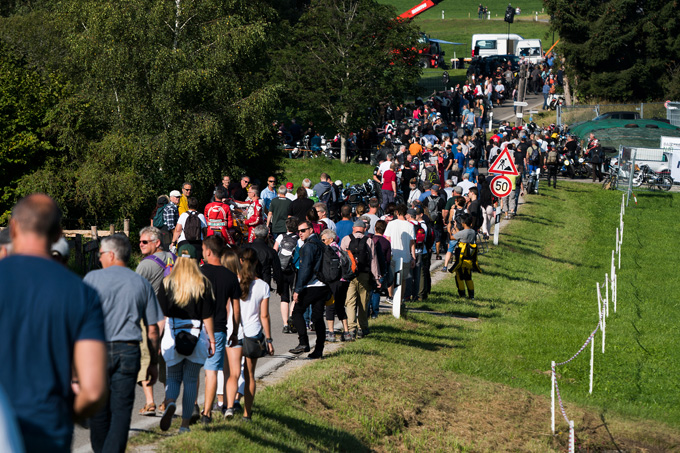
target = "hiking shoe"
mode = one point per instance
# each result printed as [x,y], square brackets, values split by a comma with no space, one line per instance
[350,336]
[330,337]
[196,414]
[361,334]
[388,301]
[206,419]
[149,410]
[237,407]
[184,429]
[444,269]
[228,413]
[315,355]
[166,419]
[286,329]
[299,349]
[245,419]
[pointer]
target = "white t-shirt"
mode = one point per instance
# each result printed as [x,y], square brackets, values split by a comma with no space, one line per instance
[374,218]
[329,223]
[182,220]
[250,311]
[400,233]
[384,166]
[465,185]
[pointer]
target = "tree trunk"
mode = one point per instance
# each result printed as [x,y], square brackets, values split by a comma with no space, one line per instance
[343,138]
[567,91]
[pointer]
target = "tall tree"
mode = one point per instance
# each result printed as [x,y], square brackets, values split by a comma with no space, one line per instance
[163,92]
[619,49]
[346,56]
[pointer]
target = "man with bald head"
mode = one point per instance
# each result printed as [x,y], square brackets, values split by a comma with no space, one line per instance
[52,327]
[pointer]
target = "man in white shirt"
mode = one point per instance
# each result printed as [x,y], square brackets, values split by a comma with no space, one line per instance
[180,235]
[401,234]
[465,184]
[322,210]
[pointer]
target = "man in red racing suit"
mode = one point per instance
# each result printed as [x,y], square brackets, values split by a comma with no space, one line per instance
[218,216]
[253,210]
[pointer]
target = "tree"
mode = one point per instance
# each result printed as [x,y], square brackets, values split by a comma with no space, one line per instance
[619,49]
[345,57]
[158,93]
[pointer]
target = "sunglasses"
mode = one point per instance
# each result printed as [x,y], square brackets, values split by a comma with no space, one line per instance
[302,230]
[144,242]
[271,182]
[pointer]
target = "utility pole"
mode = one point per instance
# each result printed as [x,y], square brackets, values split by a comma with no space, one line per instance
[521,92]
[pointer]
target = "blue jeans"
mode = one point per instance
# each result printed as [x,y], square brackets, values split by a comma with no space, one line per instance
[109,427]
[374,304]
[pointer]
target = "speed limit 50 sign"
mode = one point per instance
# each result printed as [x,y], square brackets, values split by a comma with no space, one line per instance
[501,186]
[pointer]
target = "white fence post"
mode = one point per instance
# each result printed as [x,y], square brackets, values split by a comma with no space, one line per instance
[606,293]
[604,327]
[571,436]
[552,395]
[592,362]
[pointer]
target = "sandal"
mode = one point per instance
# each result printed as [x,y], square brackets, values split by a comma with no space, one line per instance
[148,410]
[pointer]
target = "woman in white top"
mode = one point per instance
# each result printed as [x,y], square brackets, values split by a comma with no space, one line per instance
[254,319]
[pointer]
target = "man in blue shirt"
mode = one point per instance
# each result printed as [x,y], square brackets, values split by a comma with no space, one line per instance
[268,193]
[52,327]
[344,226]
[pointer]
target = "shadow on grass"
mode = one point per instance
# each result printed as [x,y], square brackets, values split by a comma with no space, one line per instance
[513,278]
[538,220]
[427,340]
[280,426]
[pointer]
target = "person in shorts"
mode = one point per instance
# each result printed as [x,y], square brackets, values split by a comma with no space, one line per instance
[227,291]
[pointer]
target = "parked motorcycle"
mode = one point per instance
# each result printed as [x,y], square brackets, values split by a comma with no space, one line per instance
[661,179]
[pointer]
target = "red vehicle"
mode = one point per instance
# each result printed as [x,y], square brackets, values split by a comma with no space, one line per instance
[429,50]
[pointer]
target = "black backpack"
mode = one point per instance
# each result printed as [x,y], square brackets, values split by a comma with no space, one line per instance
[361,253]
[433,207]
[330,270]
[327,196]
[535,154]
[287,251]
[192,227]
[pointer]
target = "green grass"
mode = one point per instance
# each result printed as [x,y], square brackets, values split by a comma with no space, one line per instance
[440,383]
[461,9]
[295,170]
[537,297]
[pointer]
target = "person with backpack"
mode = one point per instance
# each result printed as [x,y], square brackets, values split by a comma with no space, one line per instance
[552,164]
[425,286]
[170,217]
[218,217]
[191,228]
[339,289]
[268,264]
[465,257]
[362,252]
[384,254]
[158,221]
[287,247]
[324,190]
[156,265]
[421,236]
[435,204]
[310,291]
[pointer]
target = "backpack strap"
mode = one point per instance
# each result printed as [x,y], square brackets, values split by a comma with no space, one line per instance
[156,260]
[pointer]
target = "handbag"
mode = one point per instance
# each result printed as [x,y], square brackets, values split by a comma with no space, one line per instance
[185,342]
[255,347]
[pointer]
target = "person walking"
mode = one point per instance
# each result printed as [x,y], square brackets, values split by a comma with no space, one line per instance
[186,298]
[256,322]
[127,298]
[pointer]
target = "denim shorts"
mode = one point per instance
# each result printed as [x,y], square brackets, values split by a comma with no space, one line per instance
[216,362]
[452,245]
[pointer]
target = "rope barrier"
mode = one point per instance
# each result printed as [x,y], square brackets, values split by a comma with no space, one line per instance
[590,338]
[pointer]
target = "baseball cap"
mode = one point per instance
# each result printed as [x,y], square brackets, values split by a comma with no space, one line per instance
[187,251]
[412,212]
[61,247]
[289,185]
[175,193]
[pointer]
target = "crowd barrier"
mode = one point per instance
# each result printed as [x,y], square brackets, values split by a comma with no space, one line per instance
[603,303]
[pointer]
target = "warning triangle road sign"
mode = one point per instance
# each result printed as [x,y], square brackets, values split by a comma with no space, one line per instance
[504,164]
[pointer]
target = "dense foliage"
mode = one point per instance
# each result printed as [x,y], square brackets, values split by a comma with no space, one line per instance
[620,50]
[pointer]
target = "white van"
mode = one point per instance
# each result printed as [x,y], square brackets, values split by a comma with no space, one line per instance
[494,44]
[530,49]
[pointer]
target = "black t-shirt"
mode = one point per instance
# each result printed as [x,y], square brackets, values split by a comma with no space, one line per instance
[300,207]
[195,309]
[240,194]
[475,211]
[519,156]
[572,146]
[225,286]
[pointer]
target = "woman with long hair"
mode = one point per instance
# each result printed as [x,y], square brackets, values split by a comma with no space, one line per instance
[255,319]
[187,300]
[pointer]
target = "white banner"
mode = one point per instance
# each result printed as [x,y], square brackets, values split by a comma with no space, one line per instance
[673,144]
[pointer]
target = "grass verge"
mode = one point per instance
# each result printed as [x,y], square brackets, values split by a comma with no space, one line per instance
[295,170]
[440,383]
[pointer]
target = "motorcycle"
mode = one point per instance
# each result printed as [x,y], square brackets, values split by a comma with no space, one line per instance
[661,179]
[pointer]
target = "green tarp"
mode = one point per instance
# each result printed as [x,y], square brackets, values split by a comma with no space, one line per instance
[613,133]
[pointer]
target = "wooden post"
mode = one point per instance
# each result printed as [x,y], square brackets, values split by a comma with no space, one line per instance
[112,229]
[93,229]
[126,227]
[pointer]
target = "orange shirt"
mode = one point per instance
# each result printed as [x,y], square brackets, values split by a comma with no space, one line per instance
[415,149]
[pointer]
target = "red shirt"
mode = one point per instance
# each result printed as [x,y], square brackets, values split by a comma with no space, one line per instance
[388,177]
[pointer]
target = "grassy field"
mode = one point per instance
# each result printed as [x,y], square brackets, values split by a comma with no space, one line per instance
[473,376]
[465,9]
[295,170]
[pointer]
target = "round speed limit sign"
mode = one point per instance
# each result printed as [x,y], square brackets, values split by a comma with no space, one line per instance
[501,186]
